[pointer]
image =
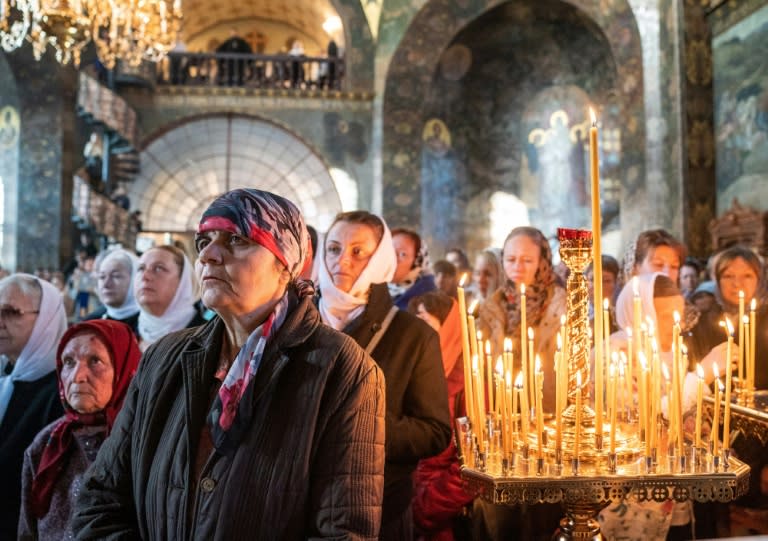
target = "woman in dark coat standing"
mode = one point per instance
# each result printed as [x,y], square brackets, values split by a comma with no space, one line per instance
[262,424]
[358,261]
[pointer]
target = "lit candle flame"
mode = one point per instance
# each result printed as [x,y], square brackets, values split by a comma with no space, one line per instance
[578,379]
[628,332]
[753,305]
[559,342]
[507,344]
[745,320]
[463,279]
[530,333]
[479,336]
[605,304]
[729,325]
[654,346]
[699,371]
[612,370]
[592,117]
[635,286]
[676,317]
[473,307]
[499,367]
[665,371]
[519,380]
[741,294]
[715,370]
[537,364]
[487,347]
[562,320]
[684,349]
[522,289]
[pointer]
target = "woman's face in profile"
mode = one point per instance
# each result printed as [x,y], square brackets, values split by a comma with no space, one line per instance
[348,248]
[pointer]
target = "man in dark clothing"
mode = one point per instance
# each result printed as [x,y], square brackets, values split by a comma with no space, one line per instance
[232,70]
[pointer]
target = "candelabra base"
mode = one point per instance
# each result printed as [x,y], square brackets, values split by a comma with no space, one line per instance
[580,522]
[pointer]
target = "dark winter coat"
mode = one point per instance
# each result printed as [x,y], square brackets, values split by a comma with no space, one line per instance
[311,465]
[418,419]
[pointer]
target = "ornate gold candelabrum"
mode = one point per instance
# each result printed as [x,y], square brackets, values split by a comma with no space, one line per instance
[571,463]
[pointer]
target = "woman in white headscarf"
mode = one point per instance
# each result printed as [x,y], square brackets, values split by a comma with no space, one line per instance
[166,292]
[32,321]
[114,286]
[358,260]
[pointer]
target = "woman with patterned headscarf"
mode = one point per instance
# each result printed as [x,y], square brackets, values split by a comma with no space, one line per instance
[262,424]
[412,273]
[526,259]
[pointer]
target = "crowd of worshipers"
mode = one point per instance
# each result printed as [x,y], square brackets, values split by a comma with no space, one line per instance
[274,406]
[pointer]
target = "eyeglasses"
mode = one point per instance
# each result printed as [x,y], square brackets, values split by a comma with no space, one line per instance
[11,312]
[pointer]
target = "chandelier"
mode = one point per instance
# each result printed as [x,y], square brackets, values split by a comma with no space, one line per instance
[128,30]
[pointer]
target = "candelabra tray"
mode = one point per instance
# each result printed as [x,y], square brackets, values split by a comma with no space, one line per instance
[751,420]
[724,485]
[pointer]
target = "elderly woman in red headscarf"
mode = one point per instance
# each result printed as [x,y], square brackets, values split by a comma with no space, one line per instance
[95,362]
[262,424]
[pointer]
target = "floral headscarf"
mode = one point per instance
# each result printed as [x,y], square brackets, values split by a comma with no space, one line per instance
[276,224]
[538,293]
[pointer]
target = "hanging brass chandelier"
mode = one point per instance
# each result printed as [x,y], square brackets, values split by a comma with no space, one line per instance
[126,30]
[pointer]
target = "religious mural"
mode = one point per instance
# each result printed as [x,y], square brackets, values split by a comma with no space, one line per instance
[507,112]
[741,110]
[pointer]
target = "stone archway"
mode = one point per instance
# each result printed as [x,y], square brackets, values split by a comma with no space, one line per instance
[185,167]
[410,90]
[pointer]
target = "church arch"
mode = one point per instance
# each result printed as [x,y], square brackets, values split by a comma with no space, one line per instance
[187,165]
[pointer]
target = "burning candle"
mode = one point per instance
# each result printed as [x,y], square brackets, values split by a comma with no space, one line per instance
[577,435]
[644,398]
[477,377]
[752,334]
[531,368]
[728,384]
[597,273]
[739,322]
[716,420]
[699,403]
[515,393]
[489,376]
[746,354]
[523,329]
[612,403]
[509,416]
[539,378]
[561,391]
[466,349]
[524,410]
[499,398]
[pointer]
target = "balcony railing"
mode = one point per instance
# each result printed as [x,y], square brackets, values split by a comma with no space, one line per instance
[251,70]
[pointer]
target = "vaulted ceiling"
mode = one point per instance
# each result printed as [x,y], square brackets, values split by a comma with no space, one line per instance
[305,16]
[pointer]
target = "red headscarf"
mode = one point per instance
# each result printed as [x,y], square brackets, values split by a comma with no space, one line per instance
[125,354]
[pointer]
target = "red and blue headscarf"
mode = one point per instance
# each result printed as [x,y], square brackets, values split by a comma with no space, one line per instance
[267,219]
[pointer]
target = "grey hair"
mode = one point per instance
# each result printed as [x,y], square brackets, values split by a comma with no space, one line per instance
[28,285]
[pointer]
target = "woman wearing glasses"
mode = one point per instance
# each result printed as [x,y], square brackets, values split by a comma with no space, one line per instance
[32,320]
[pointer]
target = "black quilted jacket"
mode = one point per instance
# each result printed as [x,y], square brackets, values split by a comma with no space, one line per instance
[310,467]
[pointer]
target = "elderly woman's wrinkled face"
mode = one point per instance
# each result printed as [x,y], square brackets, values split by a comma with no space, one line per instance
[738,276]
[237,275]
[87,373]
[348,248]
[113,281]
[663,259]
[18,314]
[405,250]
[157,279]
[521,259]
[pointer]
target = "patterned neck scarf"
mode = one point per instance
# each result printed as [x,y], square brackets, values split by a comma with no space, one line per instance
[537,294]
[124,351]
[276,224]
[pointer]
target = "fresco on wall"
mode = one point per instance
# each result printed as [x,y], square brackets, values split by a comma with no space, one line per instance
[741,111]
[507,112]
